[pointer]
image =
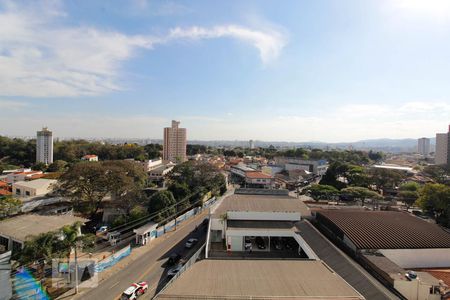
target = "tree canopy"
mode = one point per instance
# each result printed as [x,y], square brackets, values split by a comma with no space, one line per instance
[434,198]
[322,191]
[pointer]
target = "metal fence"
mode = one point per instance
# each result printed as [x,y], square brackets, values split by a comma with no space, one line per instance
[186,266]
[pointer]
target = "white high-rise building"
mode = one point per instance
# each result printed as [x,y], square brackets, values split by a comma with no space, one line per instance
[442,156]
[174,148]
[423,146]
[251,144]
[44,146]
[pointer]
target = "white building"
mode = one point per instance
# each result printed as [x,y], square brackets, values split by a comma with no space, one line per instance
[423,146]
[90,157]
[44,146]
[317,167]
[33,188]
[441,155]
[25,174]
[252,144]
[151,164]
[174,147]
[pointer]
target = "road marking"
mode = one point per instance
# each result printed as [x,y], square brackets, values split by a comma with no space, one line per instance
[115,284]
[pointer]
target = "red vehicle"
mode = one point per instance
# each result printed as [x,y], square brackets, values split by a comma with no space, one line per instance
[134,291]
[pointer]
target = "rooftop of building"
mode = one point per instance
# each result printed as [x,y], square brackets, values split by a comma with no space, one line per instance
[32,224]
[243,168]
[259,279]
[439,273]
[386,229]
[261,203]
[266,225]
[35,184]
[90,156]
[257,175]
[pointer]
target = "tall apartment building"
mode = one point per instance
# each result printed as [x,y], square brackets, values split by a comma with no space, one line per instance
[423,146]
[44,146]
[174,148]
[442,156]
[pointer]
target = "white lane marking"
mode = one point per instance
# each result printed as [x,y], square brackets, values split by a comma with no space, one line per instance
[114,284]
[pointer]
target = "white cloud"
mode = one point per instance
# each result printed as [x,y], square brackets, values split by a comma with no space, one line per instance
[437,11]
[268,42]
[11,105]
[42,57]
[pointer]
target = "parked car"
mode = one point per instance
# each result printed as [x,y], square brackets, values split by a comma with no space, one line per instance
[191,242]
[288,243]
[260,242]
[134,291]
[247,244]
[173,259]
[174,270]
[276,243]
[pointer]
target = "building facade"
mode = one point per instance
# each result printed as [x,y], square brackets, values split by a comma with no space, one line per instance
[423,146]
[442,149]
[44,146]
[174,148]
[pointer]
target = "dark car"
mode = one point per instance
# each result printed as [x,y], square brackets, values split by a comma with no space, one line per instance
[173,259]
[260,242]
[276,243]
[289,243]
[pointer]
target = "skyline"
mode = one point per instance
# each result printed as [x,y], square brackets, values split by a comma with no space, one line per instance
[228,71]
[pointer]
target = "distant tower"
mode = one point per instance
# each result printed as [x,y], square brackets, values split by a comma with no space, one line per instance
[251,144]
[174,148]
[423,146]
[442,156]
[44,146]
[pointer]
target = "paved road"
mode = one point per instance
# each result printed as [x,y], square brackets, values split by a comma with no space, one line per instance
[149,267]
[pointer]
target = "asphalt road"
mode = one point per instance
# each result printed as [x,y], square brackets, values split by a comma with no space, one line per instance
[150,266]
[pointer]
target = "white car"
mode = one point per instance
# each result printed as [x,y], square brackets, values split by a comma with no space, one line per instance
[174,271]
[191,242]
[134,291]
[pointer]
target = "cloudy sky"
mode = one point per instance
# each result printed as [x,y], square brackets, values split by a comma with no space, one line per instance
[266,70]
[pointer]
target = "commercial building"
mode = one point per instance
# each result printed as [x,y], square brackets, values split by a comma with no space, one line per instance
[317,167]
[44,146]
[33,188]
[158,173]
[174,147]
[240,218]
[15,231]
[151,164]
[423,146]
[442,156]
[259,279]
[391,244]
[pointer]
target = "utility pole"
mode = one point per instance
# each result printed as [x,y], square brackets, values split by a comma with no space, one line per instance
[77,244]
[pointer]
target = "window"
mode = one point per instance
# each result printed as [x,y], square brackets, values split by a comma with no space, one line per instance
[17,191]
[27,193]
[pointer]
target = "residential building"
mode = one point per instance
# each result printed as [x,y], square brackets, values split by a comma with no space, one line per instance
[44,146]
[16,230]
[258,179]
[251,144]
[23,175]
[174,147]
[442,156]
[423,146]
[33,188]
[90,157]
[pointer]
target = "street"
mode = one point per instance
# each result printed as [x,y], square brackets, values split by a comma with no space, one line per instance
[149,266]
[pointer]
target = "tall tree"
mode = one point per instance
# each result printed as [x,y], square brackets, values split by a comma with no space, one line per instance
[360,193]
[435,199]
[409,193]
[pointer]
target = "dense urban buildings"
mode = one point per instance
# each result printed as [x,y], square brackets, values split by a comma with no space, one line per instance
[174,148]
[44,146]
[423,146]
[442,148]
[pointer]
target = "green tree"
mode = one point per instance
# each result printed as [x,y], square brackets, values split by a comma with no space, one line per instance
[434,198]
[437,173]
[385,178]
[409,193]
[40,166]
[360,193]
[57,166]
[163,203]
[86,184]
[9,206]
[322,191]
[45,246]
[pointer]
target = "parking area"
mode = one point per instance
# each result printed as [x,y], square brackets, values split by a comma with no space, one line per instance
[281,246]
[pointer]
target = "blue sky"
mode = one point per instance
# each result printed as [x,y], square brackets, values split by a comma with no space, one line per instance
[266,70]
